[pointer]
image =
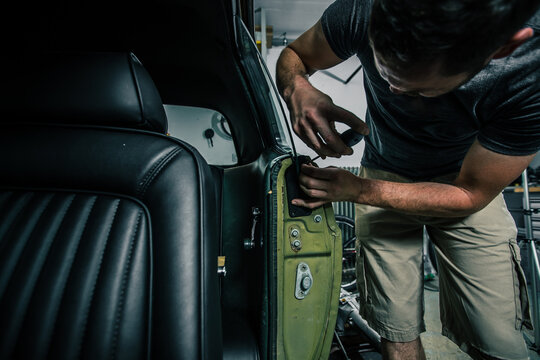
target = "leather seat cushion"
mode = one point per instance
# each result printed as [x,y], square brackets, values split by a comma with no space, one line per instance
[74,276]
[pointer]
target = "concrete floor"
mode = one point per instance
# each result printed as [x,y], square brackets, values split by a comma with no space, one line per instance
[436,346]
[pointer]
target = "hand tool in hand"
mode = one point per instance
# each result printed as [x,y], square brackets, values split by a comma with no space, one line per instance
[349,137]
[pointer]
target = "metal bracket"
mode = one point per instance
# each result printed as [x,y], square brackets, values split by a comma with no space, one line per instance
[530,211]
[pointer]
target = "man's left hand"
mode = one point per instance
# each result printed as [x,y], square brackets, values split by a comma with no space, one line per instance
[326,185]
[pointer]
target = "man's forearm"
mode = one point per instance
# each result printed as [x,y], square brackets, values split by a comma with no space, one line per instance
[428,198]
[290,72]
[483,175]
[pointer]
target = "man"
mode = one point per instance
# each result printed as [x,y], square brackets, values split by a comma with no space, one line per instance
[453,117]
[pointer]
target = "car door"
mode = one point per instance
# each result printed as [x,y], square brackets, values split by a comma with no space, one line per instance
[296,251]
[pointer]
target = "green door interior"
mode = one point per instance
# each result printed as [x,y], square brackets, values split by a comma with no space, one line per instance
[304,269]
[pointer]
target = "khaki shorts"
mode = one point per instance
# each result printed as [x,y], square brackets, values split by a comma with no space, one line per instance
[483,294]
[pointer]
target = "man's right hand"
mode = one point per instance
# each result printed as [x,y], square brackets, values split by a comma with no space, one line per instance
[313,113]
[313,116]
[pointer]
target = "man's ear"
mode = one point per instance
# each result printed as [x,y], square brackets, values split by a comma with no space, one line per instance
[515,41]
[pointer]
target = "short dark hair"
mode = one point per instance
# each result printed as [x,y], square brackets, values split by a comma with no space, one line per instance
[460,34]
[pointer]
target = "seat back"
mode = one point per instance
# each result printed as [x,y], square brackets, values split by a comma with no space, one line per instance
[108,230]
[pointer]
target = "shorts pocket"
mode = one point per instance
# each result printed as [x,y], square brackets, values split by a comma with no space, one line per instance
[523,316]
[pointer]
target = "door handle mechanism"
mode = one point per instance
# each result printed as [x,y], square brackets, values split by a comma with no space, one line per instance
[304,281]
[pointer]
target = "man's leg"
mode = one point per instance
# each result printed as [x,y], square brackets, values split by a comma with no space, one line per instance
[412,350]
[390,275]
[483,294]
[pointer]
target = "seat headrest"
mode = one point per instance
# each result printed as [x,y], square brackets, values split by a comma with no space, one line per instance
[107,89]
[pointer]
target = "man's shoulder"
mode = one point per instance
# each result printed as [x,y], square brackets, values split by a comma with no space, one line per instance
[347,12]
[345,24]
[514,75]
[348,7]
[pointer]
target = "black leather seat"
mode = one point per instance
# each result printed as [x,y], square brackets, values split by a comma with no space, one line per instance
[108,231]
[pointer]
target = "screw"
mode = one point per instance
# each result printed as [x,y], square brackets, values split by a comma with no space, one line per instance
[303,267]
[294,232]
[317,218]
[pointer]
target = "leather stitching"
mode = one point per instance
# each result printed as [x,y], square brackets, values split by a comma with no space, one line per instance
[24,197]
[89,306]
[155,170]
[57,307]
[121,301]
[5,284]
[43,254]
[5,201]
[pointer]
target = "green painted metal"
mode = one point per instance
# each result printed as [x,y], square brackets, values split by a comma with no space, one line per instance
[305,327]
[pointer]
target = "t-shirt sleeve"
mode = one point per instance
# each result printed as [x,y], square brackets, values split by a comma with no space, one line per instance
[345,24]
[515,132]
[514,105]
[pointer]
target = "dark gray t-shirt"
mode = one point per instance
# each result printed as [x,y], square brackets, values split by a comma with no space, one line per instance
[422,138]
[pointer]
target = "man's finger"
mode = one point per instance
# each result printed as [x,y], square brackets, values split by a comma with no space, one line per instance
[325,132]
[333,141]
[352,120]
[312,139]
[318,173]
[310,204]
[314,193]
[327,137]
[313,187]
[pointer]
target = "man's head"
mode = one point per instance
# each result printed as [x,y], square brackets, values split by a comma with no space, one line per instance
[429,47]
